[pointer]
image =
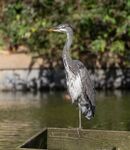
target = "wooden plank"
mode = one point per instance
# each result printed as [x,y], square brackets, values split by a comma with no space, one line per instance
[75,139]
[38,141]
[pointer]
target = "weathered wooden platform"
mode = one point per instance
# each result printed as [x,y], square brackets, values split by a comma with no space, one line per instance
[75,139]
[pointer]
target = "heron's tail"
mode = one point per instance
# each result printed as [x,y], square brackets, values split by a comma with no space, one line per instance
[88,110]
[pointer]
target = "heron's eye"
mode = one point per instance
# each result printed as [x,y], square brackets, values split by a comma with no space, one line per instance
[62,26]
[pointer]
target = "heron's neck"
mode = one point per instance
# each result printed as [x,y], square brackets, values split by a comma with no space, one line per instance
[66,51]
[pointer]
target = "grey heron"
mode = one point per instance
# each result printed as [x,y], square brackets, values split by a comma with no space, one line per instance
[79,84]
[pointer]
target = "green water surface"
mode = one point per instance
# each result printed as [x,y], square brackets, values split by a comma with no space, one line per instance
[22,115]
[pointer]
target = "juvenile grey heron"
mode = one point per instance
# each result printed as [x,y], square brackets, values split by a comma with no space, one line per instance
[79,84]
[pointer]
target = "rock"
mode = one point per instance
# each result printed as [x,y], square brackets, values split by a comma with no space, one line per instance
[54,79]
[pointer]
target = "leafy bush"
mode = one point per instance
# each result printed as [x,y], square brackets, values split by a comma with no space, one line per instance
[100,26]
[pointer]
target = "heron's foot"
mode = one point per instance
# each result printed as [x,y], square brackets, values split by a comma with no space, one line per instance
[78,131]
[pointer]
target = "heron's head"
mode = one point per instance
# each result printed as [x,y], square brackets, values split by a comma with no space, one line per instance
[61,28]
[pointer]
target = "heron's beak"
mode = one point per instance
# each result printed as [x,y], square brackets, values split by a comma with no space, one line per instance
[50,30]
[53,30]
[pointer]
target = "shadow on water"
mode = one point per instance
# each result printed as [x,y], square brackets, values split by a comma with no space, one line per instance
[24,114]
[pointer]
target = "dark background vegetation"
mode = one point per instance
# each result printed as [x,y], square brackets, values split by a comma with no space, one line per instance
[101,29]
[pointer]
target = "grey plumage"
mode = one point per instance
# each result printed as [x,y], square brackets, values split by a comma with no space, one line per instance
[79,84]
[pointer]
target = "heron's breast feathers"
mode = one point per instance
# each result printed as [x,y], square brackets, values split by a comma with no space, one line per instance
[74,86]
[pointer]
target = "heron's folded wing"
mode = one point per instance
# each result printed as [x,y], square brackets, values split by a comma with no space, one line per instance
[87,83]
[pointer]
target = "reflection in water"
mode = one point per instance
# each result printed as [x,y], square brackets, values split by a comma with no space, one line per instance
[22,115]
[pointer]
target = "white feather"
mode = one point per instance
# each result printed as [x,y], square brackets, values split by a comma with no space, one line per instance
[74,85]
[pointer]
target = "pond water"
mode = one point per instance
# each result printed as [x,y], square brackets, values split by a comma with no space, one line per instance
[24,114]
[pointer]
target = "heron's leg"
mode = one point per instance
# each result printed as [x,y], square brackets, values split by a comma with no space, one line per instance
[80,119]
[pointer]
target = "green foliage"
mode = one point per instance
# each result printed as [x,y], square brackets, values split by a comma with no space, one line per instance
[1,40]
[21,25]
[117,46]
[15,25]
[98,45]
[99,26]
